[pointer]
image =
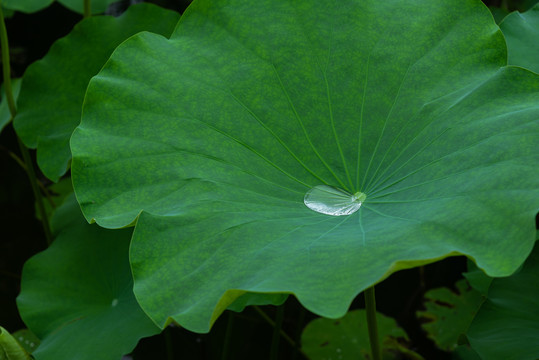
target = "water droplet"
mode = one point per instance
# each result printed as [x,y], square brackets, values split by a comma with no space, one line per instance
[114,302]
[332,201]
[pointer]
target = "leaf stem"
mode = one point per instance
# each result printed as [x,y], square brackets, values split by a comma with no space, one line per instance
[87,8]
[272,323]
[299,328]
[6,69]
[274,352]
[168,343]
[228,336]
[370,307]
[21,163]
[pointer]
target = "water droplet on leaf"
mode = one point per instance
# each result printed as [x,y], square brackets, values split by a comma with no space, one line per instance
[333,201]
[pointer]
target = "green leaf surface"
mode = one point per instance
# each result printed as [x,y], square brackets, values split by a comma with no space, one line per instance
[251,105]
[498,13]
[77,296]
[507,325]
[27,6]
[464,352]
[10,349]
[448,314]
[30,6]
[27,339]
[56,195]
[348,338]
[521,31]
[477,278]
[50,102]
[5,114]
[97,6]
[8,13]
[247,299]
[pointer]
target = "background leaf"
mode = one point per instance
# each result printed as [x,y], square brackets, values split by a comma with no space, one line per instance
[477,278]
[5,114]
[97,6]
[213,156]
[448,314]
[27,339]
[30,6]
[50,102]
[498,13]
[10,349]
[464,352]
[507,325]
[348,338]
[27,6]
[521,31]
[77,295]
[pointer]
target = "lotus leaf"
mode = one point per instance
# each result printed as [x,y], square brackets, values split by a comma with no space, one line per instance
[77,296]
[209,141]
[50,100]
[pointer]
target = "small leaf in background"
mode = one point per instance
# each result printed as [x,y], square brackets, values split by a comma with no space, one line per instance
[97,6]
[477,278]
[26,6]
[30,6]
[348,338]
[77,296]
[7,13]
[27,339]
[448,314]
[5,114]
[10,348]
[521,31]
[507,325]
[56,194]
[50,101]
[464,352]
[498,13]
[249,298]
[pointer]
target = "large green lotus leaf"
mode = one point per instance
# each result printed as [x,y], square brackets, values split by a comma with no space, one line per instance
[5,113]
[77,296]
[30,6]
[521,31]
[447,314]
[50,101]
[210,140]
[507,325]
[348,338]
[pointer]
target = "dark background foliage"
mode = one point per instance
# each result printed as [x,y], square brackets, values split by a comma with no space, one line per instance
[400,296]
